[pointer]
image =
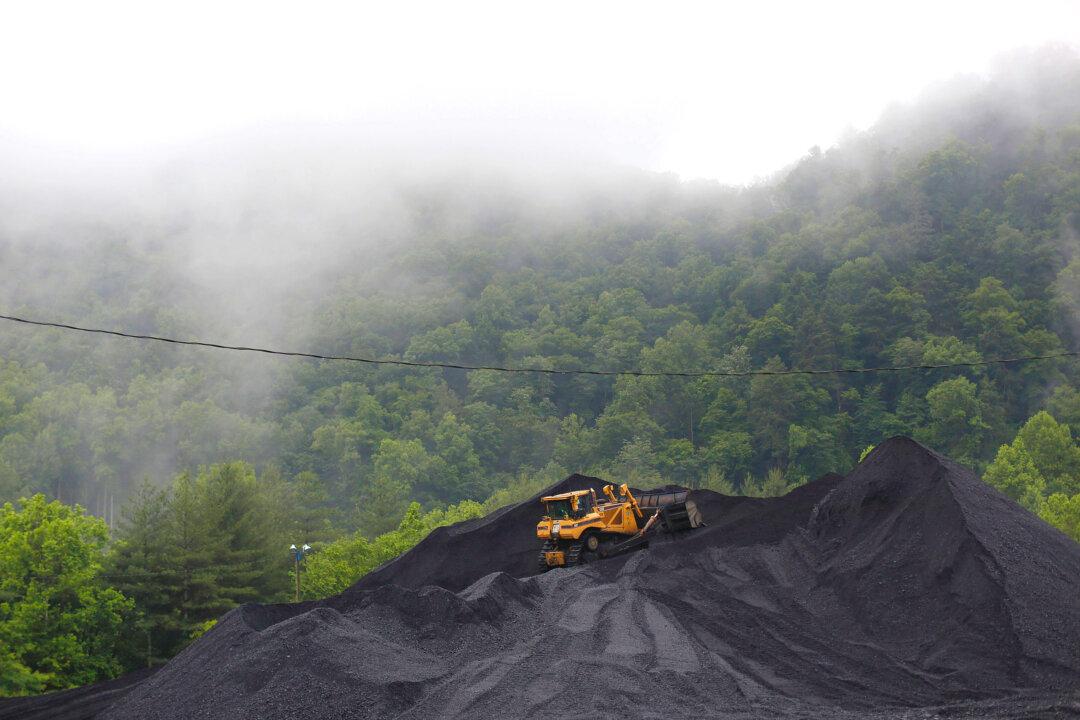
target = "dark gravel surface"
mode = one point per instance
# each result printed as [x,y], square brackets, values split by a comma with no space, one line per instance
[907,589]
[83,703]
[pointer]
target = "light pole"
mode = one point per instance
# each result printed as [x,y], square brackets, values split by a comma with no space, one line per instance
[298,555]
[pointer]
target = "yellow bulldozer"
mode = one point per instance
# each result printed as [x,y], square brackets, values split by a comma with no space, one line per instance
[580,524]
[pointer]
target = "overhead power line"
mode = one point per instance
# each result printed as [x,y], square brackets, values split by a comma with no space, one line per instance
[546,371]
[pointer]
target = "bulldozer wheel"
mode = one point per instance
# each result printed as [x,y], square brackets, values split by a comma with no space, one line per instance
[573,554]
[592,542]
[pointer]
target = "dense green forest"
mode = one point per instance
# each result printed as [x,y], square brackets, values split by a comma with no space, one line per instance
[949,232]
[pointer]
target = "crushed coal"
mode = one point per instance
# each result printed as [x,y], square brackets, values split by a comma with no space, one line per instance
[906,586]
[454,557]
[83,703]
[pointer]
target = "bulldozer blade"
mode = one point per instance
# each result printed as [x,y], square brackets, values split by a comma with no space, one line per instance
[680,516]
[658,499]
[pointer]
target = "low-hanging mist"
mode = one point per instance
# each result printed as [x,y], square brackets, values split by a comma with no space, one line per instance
[944,233]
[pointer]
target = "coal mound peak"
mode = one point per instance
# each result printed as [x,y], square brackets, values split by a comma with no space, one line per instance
[904,585]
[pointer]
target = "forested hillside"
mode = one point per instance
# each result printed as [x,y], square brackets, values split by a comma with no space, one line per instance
[947,233]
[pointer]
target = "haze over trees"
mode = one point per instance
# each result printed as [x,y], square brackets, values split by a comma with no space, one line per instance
[946,234]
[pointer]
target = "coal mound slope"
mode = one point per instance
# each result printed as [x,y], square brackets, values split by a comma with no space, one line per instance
[453,557]
[907,584]
[83,703]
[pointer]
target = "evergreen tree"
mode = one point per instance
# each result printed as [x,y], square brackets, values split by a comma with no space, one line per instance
[240,534]
[141,566]
[312,512]
[198,597]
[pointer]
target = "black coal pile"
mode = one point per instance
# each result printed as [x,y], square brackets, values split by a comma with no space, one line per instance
[454,557]
[905,586]
[83,703]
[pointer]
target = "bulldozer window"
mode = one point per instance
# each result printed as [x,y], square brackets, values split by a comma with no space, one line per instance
[559,509]
[584,505]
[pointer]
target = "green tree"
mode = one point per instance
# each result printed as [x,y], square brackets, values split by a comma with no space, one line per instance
[947,177]
[462,477]
[993,313]
[337,565]
[1063,512]
[1014,473]
[1064,404]
[778,401]
[716,480]
[574,445]
[197,598]
[679,462]
[59,625]
[311,510]
[774,484]
[1039,470]
[140,565]
[730,452]
[242,533]
[956,423]
[770,336]
[678,404]
[814,450]
[637,464]
[400,465]
[623,423]
[1054,452]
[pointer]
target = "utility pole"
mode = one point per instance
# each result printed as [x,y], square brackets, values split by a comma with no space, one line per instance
[298,555]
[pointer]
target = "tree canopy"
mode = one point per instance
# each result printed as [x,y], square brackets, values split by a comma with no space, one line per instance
[60,626]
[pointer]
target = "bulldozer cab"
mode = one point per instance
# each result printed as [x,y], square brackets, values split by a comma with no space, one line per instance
[568,506]
[560,509]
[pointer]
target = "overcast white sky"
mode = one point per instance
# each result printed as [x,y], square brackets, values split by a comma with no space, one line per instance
[730,91]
